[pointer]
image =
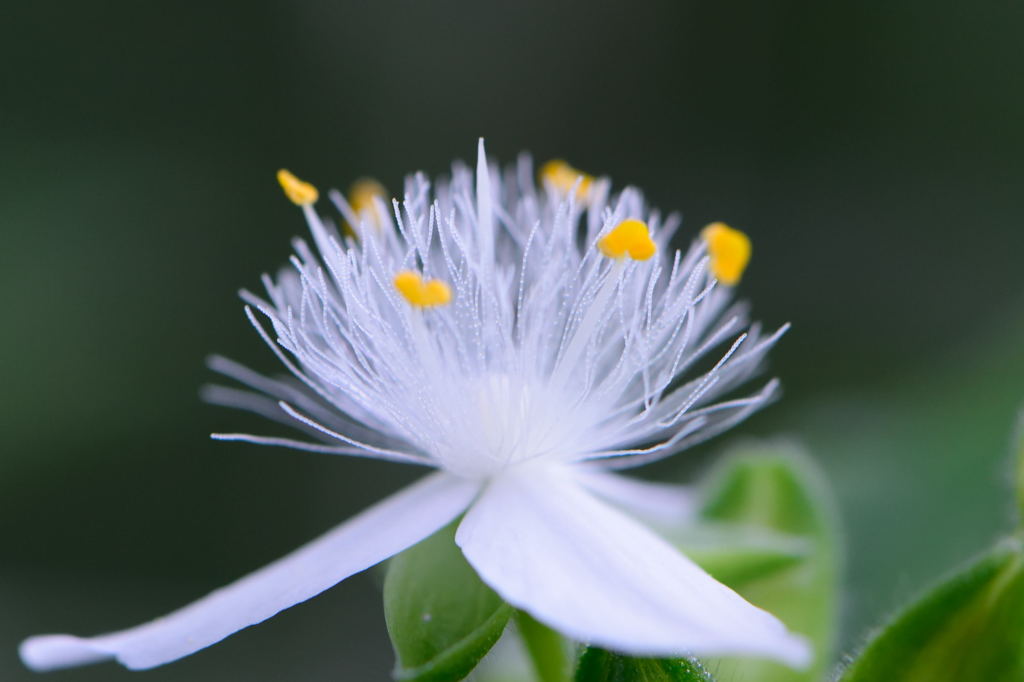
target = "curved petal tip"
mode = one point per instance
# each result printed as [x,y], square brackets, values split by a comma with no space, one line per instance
[795,651]
[52,652]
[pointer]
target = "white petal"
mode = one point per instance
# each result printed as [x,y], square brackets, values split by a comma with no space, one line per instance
[550,548]
[661,503]
[367,539]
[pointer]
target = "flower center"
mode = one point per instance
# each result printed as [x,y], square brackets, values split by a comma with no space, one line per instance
[504,420]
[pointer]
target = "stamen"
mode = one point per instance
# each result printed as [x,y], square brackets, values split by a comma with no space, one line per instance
[631,237]
[363,196]
[422,293]
[563,177]
[729,250]
[301,193]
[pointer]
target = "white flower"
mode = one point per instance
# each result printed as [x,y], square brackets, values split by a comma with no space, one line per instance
[524,342]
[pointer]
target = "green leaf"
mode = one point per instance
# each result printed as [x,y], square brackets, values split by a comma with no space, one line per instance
[772,505]
[599,665]
[549,652]
[971,627]
[441,618]
[736,554]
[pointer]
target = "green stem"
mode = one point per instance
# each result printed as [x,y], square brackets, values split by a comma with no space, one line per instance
[546,648]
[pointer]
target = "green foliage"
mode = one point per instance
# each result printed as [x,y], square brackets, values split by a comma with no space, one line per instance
[599,665]
[549,651]
[777,546]
[970,627]
[735,555]
[441,618]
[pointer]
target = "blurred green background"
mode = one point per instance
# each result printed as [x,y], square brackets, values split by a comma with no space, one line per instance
[874,151]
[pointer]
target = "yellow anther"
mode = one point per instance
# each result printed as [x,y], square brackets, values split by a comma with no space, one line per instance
[629,238]
[563,177]
[422,293]
[363,196]
[729,250]
[301,193]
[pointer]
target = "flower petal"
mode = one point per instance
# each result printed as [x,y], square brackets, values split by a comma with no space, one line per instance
[655,502]
[550,548]
[367,539]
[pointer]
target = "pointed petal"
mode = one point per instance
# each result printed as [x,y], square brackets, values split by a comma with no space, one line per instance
[367,539]
[662,503]
[550,548]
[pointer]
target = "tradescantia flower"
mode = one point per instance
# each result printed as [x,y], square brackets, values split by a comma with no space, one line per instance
[526,343]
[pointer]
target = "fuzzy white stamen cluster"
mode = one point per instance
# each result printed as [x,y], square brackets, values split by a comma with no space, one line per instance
[547,350]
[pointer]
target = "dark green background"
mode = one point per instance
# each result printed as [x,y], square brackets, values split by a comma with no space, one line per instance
[874,151]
